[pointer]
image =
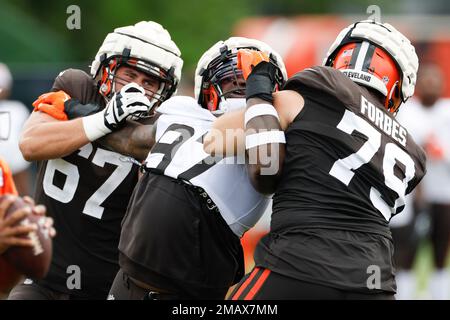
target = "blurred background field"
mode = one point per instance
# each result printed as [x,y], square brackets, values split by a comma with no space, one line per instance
[36,43]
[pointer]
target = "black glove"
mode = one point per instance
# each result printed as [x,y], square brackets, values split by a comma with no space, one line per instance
[74,109]
[261,81]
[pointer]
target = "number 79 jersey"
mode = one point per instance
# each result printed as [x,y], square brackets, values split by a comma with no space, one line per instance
[178,153]
[349,163]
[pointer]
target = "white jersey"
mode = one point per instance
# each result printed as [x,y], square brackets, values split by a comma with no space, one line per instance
[431,123]
[179,154]
[13,115]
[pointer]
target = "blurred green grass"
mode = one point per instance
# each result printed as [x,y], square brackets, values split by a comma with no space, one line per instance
[423,268]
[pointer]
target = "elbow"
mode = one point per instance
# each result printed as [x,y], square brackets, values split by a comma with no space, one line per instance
[144,149]
[264,181]
[30,146]
[265,174]
[27,149]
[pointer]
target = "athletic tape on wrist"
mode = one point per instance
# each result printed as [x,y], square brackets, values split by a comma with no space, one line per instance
[261,109]
[265,137]
[94,126]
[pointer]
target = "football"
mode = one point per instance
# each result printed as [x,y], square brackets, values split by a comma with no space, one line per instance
[9,276]
[32,262]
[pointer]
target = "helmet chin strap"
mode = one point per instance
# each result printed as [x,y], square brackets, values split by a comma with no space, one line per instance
[230,104]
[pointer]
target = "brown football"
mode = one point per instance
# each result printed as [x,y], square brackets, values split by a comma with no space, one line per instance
[9,277]
[33,262]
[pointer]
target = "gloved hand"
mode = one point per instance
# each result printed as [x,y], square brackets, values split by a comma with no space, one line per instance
[434,149]
[247,59]
[259,72]
[129,103]
[52,103]
[62,107]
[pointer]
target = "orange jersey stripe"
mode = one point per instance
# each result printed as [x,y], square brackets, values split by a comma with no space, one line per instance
[254,290]
[245,284]
[6,181]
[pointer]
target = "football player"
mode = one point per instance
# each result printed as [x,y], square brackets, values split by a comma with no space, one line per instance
[344,166]
[85,186]
[431,132]
[11,233]
[181,234]
[17,113]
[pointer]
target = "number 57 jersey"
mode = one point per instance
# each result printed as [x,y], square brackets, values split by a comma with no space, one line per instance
[179,154]
[349,163]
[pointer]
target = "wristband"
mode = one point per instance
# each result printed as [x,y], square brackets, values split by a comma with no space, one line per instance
[258,110]
[265,137]
[94,126]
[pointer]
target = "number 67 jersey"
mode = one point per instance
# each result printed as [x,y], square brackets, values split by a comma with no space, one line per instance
[86,193]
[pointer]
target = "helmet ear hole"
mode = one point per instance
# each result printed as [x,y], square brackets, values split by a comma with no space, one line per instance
[396,94]
[210,98]
[393,100]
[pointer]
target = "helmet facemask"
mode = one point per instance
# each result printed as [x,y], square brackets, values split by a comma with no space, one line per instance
[110,78]
[223,87]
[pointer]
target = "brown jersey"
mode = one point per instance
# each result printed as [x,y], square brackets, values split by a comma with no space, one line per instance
[348,166]
[86,193]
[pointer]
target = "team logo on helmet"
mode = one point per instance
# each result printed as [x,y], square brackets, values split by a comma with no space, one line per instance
[378,56]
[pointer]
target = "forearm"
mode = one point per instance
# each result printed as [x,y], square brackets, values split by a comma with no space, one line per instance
[135,140]
[22,181]
[227,136]
[265,159]
[45,138]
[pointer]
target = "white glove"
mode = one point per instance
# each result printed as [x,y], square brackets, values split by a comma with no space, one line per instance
[129,103]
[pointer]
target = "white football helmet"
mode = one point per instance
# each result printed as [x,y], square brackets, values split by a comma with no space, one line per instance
[370,35]
[218,64]
[146,46]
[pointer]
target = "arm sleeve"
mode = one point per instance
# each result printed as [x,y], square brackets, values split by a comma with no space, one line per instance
[6,181]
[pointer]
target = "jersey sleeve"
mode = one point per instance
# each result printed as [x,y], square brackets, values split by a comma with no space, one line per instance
[78,85]
[7,185]
[420,167]
[327,80]
[12,155]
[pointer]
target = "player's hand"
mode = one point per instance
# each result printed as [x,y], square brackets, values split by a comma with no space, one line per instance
[52,103]
[434,149]
[259,73]
[129,103]
[247,59]
[62,107]
[40,210]
[10,230]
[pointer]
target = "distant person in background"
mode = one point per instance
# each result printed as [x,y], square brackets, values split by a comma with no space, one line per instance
[427,118]
[408,229]
[17,114]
